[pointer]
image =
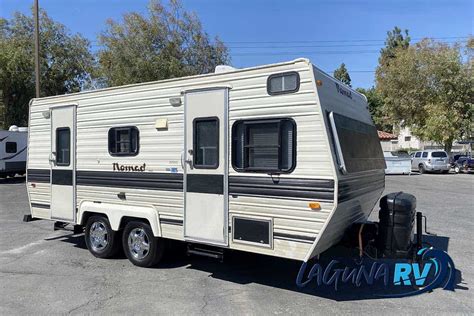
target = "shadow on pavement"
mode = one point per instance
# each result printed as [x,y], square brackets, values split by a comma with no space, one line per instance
[246,268]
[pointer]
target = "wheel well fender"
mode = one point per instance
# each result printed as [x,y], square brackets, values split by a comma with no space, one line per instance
[119,214]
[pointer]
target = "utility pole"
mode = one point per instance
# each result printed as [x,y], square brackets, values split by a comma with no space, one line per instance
[37,64]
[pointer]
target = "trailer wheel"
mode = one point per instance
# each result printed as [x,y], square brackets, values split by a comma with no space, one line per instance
[101,240]
[140,246]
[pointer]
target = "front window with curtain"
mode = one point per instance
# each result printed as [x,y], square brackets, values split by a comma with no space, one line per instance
[264,145]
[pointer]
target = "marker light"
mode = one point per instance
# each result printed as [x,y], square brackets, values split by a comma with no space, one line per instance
[314,205]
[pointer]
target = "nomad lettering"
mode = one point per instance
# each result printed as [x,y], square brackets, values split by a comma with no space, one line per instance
[117,167]
[343,91]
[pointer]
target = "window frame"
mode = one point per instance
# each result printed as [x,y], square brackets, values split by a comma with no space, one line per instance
[204,119]
[120,128]
[264,170]
[11,152]
[283,74]
[62,164]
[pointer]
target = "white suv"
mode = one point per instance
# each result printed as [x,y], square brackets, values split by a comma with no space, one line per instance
[430,160]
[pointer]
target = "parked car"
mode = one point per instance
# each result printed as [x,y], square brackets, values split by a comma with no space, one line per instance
[463,163]
[431,161]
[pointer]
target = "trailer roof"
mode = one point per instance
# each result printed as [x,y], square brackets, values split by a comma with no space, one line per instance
[298,60]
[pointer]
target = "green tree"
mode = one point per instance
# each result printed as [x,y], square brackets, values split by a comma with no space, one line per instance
[65,63]
[429,87]
[375,102]
[395,40]
[168,42]
[342,74]
[2,111]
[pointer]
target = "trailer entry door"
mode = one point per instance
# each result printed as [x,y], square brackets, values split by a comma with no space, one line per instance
[62,160]
[205,163]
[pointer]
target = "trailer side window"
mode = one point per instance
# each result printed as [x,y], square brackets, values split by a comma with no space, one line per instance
[10,147]
[63,146]
[287,82]
[123,141]
[357,144]
[206,143]
[264,145]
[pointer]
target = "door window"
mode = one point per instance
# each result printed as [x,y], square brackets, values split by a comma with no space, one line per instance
[206,143]
[425,154]
[63,146]
[418,155]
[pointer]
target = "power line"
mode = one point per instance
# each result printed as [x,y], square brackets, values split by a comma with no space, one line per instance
[322,46]
[306,53]
[338,41]
[328,71]
[331,41]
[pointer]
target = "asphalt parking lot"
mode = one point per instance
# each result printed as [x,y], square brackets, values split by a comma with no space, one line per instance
[44,271]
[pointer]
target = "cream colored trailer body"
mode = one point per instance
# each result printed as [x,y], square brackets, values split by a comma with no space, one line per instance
[199,172]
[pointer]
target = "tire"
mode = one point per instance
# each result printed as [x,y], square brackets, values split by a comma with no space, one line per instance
[101,240]
[457,169]
[140,246]
[421,169]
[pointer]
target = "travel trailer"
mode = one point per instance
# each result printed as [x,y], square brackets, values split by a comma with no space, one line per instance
[13,151]
[278,160]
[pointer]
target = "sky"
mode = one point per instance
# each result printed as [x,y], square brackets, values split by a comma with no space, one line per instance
[262,31]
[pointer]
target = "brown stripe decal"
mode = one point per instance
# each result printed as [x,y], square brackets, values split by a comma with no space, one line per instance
[318,189]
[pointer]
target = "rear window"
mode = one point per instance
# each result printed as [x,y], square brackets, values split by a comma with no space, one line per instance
[400,154]
[439,154]
[357,144]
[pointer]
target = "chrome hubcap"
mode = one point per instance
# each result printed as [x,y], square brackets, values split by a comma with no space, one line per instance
[98,236]
[138,243]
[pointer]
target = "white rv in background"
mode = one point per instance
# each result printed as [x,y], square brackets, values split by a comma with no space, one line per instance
[13,151]
[279,160]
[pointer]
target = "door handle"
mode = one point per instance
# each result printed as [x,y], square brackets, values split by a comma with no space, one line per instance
[189,162]
[186,161]
[52,157]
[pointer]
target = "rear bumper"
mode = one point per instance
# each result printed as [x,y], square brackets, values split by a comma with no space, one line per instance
[438,167]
